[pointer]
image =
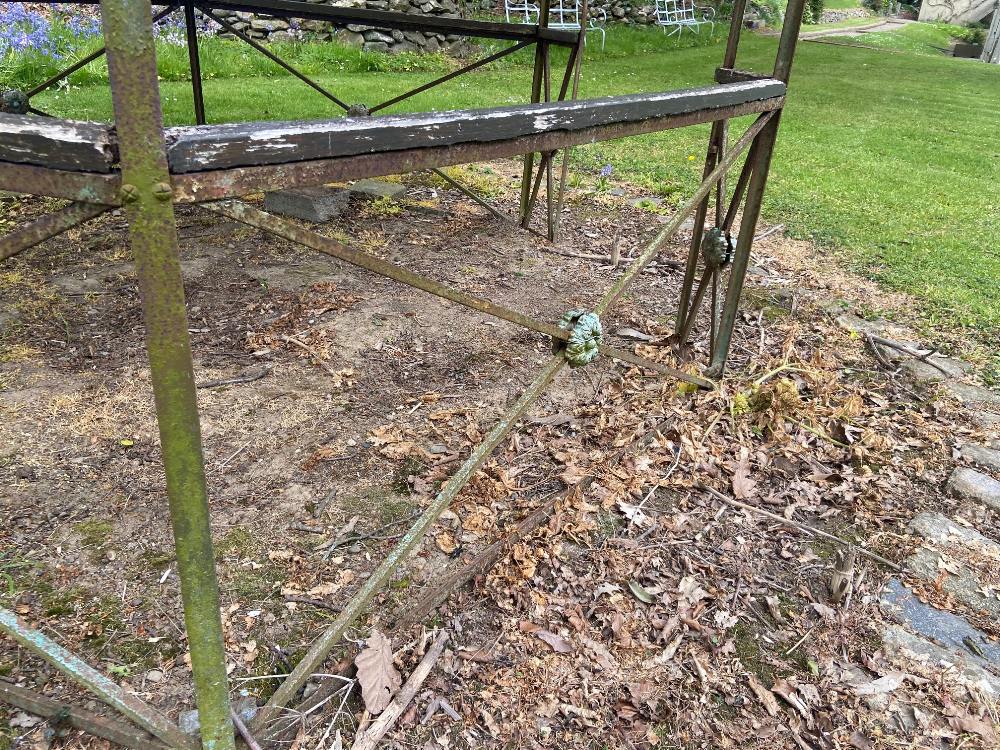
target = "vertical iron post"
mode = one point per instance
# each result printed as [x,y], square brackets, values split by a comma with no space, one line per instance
[716,148]
[761,156]
[536,94]
[194,61]
[148,202]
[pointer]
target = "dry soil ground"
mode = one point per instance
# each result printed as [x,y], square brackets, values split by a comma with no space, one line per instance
[644,613]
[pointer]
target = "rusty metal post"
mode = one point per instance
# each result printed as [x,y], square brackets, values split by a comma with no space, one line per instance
[716,148]
[760,165]
[536,94]
[148,202]
[191,31]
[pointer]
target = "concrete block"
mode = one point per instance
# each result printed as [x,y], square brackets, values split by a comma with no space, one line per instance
[378,189]
[316,204]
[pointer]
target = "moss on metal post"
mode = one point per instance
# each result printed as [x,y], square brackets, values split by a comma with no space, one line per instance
[147,198]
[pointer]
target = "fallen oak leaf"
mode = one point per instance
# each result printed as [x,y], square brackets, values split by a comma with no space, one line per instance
[765,696]
[377,675]
[556,642]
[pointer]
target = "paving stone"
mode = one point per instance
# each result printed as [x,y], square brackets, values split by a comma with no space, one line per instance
[189,723]
[923,372]
[987,420]
[878,327]
[378,189]
[317,204]
[901,643]
[941,530]
[974,485]
[982,455]
[944,628]
[972,395]
[963,585]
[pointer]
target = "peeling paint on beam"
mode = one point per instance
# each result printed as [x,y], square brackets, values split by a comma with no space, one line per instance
[55,143]
[211,147]
[199,187]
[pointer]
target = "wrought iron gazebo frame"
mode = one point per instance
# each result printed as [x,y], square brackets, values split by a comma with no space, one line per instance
[147,169]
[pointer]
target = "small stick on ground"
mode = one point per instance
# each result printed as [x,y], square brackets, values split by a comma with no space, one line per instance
[312,602]
[877,353]
[243,732]
[369,739]
[239,379]
[907,350]
[769,232]
[311,352]
[805,527]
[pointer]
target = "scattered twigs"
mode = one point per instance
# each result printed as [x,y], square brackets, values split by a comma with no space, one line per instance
[769,232]
[418,609]
[923,357]
[877,353]
[312,602]
[243,732]
[239,379]
[369,739]
[843,574]
[805,527]
[311,352]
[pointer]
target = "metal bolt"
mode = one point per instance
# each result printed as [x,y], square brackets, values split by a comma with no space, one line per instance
[129,193]
[162,191]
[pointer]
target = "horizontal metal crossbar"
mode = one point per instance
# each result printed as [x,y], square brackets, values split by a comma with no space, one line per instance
[227,183]
[246,214]
[383,19]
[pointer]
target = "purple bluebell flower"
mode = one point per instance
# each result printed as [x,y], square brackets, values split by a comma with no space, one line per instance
[606,171]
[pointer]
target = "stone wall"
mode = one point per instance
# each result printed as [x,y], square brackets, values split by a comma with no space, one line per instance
[377,40]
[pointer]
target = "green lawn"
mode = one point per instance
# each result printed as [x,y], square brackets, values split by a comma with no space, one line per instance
[893,158]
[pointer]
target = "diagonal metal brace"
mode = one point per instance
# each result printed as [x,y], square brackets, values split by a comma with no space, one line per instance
[82,673]
[49,226]
[246,214]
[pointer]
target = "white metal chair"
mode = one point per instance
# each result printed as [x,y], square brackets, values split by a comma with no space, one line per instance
[563,14]
[673,16]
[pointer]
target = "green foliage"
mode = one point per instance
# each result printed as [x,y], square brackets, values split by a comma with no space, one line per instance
[974,33]
[815,9]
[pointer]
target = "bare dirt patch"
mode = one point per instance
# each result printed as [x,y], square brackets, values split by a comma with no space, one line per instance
[674,614]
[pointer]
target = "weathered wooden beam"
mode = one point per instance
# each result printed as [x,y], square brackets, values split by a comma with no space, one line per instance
[198,187]
[211,147]
[57,144]
[109,729]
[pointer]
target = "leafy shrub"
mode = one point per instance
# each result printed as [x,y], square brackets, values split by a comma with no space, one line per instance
[973,34]
[770,11]
[815,9]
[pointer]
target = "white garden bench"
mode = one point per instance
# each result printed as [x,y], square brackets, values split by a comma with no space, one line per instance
[674,16]
[563,15]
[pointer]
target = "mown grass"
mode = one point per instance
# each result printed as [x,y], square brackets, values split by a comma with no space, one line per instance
[893,158]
